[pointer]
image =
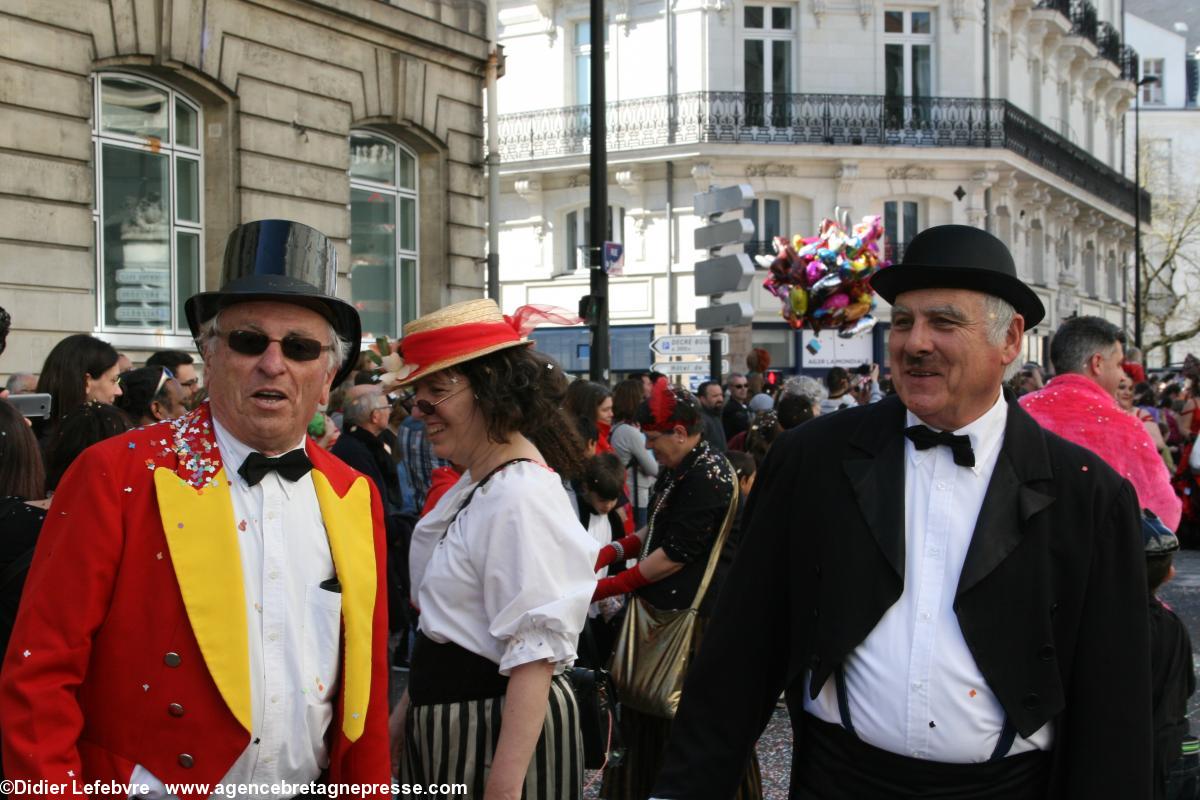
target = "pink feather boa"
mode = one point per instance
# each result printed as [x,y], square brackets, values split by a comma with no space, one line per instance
[1079,410]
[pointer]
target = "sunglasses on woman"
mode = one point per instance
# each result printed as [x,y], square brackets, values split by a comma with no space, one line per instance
[430,408]
[295,348]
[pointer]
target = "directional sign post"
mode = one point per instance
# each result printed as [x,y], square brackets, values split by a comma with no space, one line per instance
[689,367]
[687,345]
[720,273]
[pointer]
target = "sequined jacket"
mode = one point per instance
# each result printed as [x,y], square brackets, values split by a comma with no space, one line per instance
[131,643]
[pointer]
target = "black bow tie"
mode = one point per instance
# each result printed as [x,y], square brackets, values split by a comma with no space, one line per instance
[924,438]
[293,466]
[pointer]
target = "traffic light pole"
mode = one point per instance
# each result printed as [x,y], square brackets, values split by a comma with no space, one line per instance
[598,361]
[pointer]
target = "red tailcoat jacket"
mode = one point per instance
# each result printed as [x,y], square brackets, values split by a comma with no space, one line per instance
[131,646]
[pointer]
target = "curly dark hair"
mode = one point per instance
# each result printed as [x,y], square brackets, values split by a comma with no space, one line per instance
[519,390]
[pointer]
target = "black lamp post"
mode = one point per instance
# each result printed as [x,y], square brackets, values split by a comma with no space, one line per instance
[1137,213]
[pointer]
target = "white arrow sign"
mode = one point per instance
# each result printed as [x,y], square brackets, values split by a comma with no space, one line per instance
[687,367]
[687,345]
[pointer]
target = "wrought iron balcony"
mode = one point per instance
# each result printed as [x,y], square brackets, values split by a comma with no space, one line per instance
[1108,40]
[1084,20]
[813,119]
[1130,68]
[1061,6]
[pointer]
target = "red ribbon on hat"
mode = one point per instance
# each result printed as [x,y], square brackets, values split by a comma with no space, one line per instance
[441,344]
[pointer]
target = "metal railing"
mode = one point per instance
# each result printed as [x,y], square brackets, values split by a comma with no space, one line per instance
[1061,6]
[1084,20]
[1108,41]
[868,120]
[1130,68]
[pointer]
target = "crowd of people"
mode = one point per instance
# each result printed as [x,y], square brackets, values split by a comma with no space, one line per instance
[930,579]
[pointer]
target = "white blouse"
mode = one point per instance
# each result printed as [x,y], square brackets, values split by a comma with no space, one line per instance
[511,577]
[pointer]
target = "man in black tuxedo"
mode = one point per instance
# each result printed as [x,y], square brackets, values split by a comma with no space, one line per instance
[953,598]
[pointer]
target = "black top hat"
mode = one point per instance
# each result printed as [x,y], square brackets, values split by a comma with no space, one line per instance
[284,262]
[959,257]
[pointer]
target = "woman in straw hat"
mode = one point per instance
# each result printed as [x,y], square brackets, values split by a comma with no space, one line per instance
[502,571]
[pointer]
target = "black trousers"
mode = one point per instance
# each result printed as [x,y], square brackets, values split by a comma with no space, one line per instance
[832,764]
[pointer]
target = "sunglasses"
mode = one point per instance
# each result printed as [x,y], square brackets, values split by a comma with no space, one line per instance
[162,379]
[295,348]
[430,408]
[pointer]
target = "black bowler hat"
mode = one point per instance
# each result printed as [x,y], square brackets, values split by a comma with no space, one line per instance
[959,257]
[283,262]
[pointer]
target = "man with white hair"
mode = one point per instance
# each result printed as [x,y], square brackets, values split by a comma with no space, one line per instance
[206,605]
[952,597]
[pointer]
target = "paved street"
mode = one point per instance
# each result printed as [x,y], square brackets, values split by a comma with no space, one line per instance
[775,746]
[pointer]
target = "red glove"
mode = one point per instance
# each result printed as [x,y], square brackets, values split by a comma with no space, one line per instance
[627,547]
[628,581]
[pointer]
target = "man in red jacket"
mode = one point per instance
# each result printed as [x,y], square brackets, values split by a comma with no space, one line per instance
[206,603]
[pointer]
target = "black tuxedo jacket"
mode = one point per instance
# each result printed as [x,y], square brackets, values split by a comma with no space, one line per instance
[1051,601]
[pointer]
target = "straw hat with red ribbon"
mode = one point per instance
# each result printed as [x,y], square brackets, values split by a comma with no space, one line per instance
[462,332]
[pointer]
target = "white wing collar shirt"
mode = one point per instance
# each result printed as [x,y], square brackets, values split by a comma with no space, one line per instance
[294,626]
[913,687]
[511,577]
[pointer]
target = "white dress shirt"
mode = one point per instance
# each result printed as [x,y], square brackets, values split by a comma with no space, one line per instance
[511,577]
[293,625]
[913,685]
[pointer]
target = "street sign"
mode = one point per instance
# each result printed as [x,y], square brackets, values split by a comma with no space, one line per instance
[687,367]
[687,345]
[725,315]
[719,234]
[724,274]
[726,198]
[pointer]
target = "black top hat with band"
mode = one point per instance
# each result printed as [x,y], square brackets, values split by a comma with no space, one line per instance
[959,257]
[284,262]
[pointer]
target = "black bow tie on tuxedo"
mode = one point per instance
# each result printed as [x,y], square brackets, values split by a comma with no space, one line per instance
[293,466]
[924,438]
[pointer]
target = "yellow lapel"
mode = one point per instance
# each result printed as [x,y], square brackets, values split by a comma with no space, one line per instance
[198,524]
[350,528]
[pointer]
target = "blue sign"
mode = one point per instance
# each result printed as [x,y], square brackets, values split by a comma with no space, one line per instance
[614,257]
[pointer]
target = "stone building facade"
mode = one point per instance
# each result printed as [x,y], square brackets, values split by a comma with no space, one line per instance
[1006,115]
[137,133]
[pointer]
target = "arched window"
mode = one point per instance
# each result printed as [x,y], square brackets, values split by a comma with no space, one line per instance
[148,213]
[384,247]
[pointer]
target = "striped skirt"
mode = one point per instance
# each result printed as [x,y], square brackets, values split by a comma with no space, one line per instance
[448,743]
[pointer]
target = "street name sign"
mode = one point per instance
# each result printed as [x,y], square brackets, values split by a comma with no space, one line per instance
[685,345]
[687,367]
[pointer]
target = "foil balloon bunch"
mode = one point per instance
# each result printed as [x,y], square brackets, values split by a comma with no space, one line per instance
[823,281]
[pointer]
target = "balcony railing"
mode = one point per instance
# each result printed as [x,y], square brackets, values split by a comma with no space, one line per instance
[1084,20]
[1061,6]
[1108,40]
[1129,64]
[813,119]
